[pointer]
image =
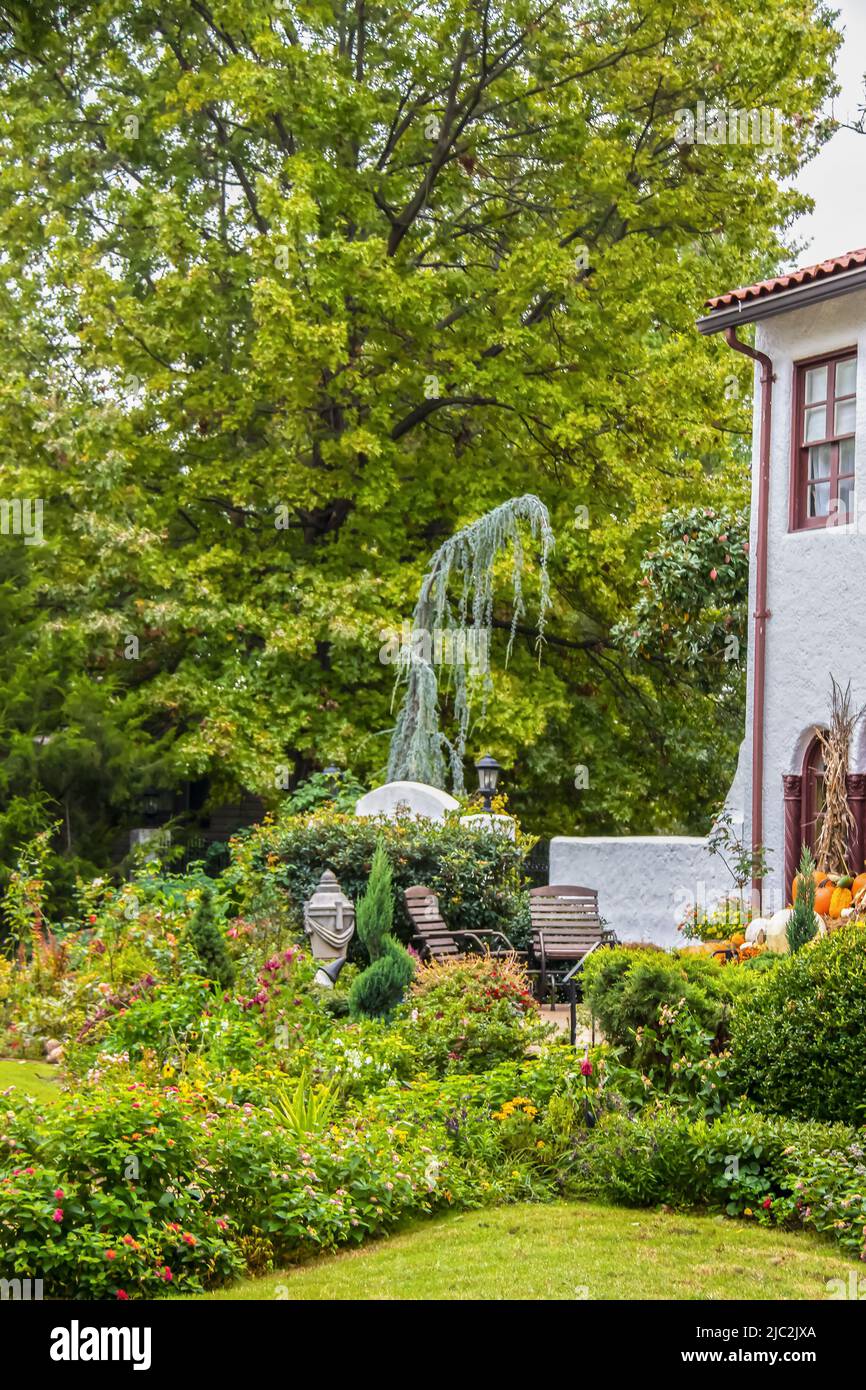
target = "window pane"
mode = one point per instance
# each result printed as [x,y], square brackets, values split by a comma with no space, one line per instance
[846,415]
[819,499]
[816,424]
[816,385]
[845,507]
[819,462]
[846,456]
[846,377]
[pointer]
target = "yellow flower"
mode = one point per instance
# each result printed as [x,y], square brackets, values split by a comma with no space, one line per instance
[539,1144]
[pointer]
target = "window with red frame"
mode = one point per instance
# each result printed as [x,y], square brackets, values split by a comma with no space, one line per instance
[825,418]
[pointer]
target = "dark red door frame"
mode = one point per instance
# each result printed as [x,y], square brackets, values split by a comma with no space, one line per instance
[761,614]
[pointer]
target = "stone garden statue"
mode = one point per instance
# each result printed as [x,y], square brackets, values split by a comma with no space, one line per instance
[329,919]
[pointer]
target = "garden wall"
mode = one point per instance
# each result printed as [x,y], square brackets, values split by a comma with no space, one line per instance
[645,883]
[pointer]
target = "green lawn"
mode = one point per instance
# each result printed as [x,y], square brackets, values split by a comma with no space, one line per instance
[32,1078]
[567,1251]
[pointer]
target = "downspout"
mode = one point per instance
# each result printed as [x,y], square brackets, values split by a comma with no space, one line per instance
[761,614]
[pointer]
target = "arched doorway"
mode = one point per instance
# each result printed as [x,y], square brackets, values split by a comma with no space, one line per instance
[812,799]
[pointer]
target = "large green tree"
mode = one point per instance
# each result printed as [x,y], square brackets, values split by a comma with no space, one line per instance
[291,291]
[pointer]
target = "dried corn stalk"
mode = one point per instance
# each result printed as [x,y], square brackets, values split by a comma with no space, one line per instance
[837,821]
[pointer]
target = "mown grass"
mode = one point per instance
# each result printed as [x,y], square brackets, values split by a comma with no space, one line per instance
[566,1251]
[36,1079]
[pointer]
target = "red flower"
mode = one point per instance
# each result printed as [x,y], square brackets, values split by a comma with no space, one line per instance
[123,1295]
[58,1193]
[111,1254]
[167,1275]
[767,1203]
[58,1214]
[586,1067]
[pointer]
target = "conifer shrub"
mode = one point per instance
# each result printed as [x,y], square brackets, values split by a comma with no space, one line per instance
[207,941]
[379,989]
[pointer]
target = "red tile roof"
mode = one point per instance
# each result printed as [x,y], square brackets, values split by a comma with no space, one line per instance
[788,282]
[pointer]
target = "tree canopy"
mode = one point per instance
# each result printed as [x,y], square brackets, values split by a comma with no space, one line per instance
[294,291]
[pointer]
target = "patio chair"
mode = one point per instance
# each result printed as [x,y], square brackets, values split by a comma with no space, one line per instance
[566,928]
[438,941]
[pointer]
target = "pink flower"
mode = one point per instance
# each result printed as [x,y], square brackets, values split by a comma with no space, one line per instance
[167,1275]
[58,1214]
[58,1193]
[586,1067]
[111,1254]
[714,574]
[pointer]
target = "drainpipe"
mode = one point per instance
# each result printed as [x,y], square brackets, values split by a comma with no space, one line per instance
[761,613]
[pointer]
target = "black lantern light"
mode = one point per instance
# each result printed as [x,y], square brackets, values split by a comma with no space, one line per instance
[488,770]
[151,804]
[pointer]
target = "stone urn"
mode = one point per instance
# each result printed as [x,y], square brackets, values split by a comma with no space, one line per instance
[329,919]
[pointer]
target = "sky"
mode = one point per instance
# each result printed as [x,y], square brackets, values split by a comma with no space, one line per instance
[836,179]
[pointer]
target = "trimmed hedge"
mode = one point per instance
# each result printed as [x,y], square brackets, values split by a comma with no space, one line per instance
[799,1042]
[479,878]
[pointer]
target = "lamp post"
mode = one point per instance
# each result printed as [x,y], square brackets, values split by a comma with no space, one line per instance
[488,770]
[333,775]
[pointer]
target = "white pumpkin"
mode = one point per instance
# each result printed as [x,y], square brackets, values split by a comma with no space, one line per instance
[756,931]
[777,931]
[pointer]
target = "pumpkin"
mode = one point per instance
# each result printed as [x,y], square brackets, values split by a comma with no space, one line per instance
[840,899]
[824,896]
[822,880]
[858,885]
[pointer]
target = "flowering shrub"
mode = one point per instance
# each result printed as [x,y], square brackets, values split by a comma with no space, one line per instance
[469,1013]
[140,1189]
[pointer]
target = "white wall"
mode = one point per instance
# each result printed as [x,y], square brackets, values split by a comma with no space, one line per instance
[645,883]
[816,579]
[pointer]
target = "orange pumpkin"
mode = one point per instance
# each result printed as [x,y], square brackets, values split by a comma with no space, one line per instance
[824,897]
[839,901]
[823,890]
[858,885]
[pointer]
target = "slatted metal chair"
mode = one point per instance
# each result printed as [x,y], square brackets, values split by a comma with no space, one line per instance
[441,942]
[566,928]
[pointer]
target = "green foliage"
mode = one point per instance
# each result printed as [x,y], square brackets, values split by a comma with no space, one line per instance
[734,1163]
[798,1039]
[206,939]
[374,914]
[692,609]
[469,1014]
[627,989]
[380,988]
[802,924]
[215,235]
[478,878]
[308,1109]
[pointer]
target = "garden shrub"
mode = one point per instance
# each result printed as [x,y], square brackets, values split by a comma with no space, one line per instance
[799,1041]
[380,988]
[627,988]
[469,1013]
[768,1168]
[478,877]
[208,943]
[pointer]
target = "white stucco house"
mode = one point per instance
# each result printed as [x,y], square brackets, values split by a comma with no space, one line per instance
[807,600]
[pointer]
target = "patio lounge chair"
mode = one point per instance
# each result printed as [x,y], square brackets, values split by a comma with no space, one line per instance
[439,941]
